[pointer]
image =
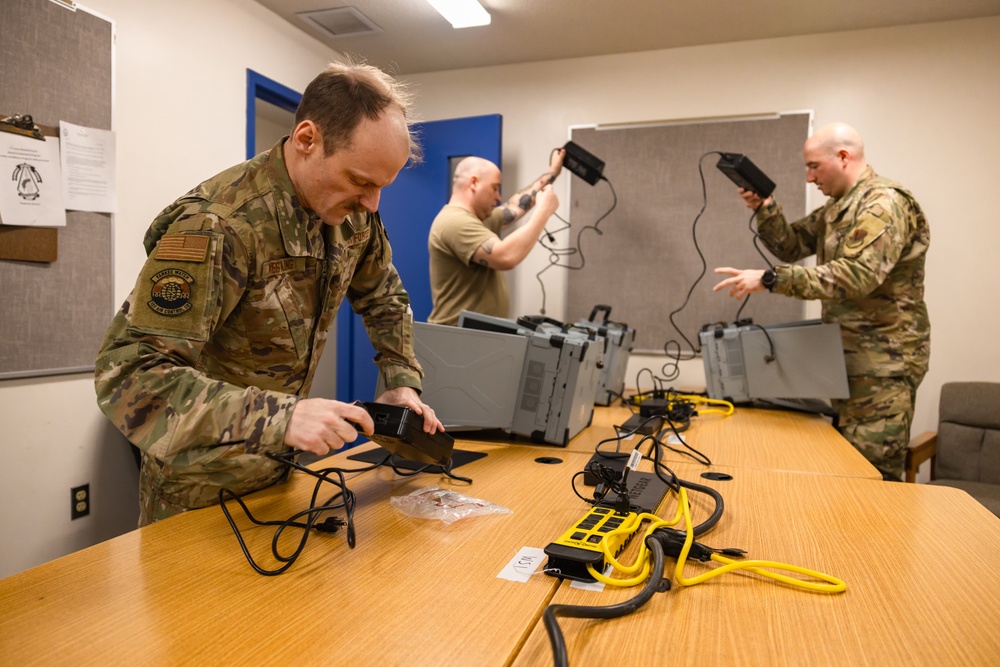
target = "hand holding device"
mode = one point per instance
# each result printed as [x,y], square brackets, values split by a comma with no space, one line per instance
[400,431]
[321,426]
[744,173]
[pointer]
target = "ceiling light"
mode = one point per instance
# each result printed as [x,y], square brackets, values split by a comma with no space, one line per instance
[461,13]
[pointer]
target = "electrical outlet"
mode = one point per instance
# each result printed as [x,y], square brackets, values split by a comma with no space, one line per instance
[80,497]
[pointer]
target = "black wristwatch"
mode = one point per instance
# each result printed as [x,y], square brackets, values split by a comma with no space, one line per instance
[768,279]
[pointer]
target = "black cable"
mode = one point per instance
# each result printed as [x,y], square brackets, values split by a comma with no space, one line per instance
[694,454]
[770,357]
[655,543]
[576,249]
[391,459]
[704,265]
[674,482]
[552,612]
[757,237]
[312,514]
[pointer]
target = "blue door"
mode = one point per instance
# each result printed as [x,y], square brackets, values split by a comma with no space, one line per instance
[408,207]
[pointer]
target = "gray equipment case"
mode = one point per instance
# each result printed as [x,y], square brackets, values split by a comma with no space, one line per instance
[793,360]
[532,379]
[619,339]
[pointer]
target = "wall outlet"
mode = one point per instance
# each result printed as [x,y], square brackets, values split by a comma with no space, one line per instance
[80,497]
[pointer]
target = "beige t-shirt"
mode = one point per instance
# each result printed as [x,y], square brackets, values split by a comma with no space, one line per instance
[457,285]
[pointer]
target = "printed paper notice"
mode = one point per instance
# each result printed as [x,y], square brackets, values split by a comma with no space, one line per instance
[30,182]
[88,167]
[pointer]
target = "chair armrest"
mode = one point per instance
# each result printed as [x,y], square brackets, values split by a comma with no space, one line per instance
[921,448]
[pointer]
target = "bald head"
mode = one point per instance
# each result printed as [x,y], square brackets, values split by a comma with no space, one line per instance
[835,158]
[472,166]
[476,186]
[838,136]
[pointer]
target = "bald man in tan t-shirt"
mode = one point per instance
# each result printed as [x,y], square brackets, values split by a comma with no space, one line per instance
[467,253]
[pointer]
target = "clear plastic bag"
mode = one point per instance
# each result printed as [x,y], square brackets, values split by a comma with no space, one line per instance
[433,502]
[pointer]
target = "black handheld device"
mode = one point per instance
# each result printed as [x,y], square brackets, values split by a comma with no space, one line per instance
[585,165]
[400,431]
[744,173]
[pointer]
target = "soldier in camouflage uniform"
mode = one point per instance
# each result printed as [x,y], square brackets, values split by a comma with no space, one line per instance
[870,240]
[209,362]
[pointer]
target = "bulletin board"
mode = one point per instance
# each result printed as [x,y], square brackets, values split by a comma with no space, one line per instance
[57,65]
[672,202]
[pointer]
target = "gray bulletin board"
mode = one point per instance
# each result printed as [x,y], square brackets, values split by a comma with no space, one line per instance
[56,64]
[645,258]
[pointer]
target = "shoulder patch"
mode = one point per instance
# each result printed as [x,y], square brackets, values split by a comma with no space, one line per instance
[857,237]
[183,247]
[179,298]
[862,235]
[170,294]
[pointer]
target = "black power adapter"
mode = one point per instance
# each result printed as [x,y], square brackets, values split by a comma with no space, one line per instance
[746,174]
[583,164]
[400,431]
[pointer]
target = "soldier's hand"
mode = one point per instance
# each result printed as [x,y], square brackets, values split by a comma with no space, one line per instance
[409,398]
[752,199]
[742,281]
[321,426]
[556,162]
[547,202]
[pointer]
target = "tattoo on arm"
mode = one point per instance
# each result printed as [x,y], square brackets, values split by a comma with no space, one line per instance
[507,216]
[527,200]
[487,249]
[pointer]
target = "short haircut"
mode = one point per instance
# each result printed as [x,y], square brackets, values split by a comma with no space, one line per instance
[344,94]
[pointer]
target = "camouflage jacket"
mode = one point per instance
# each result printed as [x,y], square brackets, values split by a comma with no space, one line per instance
[870,247]
[221,335]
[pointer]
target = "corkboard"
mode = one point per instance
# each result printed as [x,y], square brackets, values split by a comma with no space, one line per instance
[57,66]
[645,258]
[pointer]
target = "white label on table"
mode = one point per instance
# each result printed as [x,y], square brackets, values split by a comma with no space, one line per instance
[593,586]
[523,564]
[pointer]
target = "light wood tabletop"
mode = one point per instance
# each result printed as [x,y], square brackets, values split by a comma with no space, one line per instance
[412,592]
[919,562]
[749,438]
[420,592]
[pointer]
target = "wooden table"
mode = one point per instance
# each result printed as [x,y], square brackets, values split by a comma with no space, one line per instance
[419,592]
[413,591]
[919,562]
[749,438]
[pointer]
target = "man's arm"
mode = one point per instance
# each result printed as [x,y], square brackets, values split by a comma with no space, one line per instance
[880,229]
[787,241]
[377,294]
[522,201]
[503,254]
[145,374]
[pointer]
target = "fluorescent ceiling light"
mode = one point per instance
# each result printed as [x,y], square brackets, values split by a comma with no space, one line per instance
[461,13]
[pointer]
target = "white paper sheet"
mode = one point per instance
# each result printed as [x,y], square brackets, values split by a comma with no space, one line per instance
[88,167]
[30,182]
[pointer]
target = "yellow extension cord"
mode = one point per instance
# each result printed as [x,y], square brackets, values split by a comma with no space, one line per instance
[643,560]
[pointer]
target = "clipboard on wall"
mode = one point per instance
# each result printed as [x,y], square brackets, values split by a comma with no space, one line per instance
[58,65]
[28,244]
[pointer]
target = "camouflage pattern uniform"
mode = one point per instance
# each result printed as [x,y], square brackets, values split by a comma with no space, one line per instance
[221,335]
[870,247]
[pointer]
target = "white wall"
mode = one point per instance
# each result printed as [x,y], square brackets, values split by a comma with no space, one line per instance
[925,98]
[180,109]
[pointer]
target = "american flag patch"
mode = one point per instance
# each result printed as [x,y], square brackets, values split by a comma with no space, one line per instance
[183,247]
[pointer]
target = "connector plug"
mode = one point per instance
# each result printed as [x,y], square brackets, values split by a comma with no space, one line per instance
[330,524]
[673,542]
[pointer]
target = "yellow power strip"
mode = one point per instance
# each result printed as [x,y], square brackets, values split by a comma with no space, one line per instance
[583,544]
